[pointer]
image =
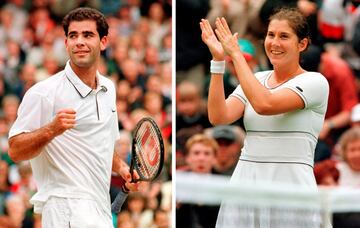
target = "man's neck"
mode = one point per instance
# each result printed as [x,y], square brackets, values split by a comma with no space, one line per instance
[86,74]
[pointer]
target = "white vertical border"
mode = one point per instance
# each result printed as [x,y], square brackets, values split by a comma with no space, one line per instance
[173,113]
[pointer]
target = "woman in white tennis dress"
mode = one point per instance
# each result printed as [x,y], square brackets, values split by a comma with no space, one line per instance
[283,112]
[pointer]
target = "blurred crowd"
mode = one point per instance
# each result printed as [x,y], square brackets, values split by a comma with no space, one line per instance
[334,52]
[138,61]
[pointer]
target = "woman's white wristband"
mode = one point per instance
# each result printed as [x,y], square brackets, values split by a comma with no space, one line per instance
[217,67]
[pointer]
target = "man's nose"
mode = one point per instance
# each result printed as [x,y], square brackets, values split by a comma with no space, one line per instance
[80,40]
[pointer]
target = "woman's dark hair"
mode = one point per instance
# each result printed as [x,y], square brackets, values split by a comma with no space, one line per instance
[84,13]
[296,20]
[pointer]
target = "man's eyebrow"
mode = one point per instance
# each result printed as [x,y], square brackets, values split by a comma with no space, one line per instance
[83,32]
[87,32]
[72,33]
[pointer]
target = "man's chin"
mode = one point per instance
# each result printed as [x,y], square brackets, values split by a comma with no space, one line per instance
[82,63]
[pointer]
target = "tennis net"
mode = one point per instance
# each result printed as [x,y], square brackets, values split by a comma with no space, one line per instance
[272,205]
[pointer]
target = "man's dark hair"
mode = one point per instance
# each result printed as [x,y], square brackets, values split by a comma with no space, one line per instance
[85,13]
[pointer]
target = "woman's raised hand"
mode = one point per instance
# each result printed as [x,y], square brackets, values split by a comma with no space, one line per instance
[228,40]
[209,38]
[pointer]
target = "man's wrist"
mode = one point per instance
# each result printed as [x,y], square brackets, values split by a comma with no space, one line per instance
[124,189]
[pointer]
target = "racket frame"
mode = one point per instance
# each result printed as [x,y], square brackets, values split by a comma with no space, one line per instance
[133,164]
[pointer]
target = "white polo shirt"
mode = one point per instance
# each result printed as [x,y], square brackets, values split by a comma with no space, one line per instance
[77,163]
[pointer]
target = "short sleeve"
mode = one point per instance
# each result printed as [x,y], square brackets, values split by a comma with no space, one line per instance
[116,129]
[313,88]
[239,93]
[34,112]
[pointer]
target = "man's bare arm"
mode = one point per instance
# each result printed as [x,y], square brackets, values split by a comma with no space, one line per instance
[120,167]
[26,146]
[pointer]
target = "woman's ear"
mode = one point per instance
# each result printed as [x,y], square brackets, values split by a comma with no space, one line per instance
[303,44]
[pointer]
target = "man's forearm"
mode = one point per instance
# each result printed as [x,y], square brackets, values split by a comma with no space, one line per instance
[118,163]
[26,146]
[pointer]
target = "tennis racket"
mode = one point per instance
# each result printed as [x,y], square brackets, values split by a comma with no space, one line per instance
[147,156]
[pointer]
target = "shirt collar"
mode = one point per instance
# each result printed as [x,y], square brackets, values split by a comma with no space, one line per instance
[83,89]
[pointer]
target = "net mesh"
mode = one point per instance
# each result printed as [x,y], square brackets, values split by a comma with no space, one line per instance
[265,205]
[147,151]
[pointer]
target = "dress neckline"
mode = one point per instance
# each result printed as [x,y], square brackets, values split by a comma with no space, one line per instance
[266,81]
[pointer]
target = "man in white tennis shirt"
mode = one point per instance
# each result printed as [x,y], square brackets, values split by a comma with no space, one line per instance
[67,128]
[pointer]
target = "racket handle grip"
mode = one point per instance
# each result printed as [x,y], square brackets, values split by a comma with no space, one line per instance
[118,202]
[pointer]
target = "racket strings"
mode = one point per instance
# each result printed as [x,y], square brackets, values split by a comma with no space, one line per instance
[147,151]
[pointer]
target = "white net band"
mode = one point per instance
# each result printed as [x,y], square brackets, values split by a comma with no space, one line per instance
[265,204]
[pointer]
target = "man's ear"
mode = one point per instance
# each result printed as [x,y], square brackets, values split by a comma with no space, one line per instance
[103,43]
[66,41]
